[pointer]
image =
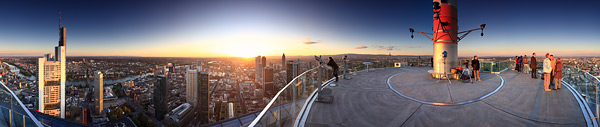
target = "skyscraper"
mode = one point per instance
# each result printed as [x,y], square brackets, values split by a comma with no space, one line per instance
[268,81]
[197,92]
[160,97]
[171,67]
[52,78]
[257,69]
[264,61]
[283,61]
[292,70]
[98,91]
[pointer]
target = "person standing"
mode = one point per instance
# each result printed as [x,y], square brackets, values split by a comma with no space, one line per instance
[475,65]
[520,62]
[335,67]
[547,70]
[431,61]
[558,73]
[533,66]
[553,68]
[525,65]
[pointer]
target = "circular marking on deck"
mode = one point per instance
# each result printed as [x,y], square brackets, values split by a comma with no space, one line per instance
[444,103]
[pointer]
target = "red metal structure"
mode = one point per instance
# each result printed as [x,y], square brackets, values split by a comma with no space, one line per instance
[445,36]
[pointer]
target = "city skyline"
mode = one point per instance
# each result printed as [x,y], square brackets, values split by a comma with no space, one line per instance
[277,63]
[269,28]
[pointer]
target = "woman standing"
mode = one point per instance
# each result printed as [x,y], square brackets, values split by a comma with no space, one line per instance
[558,73]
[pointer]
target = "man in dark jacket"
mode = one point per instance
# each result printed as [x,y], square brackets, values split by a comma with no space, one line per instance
[335,67]
[475,64]
[533,66]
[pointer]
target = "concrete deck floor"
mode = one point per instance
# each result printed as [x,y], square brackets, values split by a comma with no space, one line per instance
[367,100]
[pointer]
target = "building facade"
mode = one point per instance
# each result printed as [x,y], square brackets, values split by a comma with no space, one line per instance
[52,78]
[197,92]
[160,97]
[268,81]
[99,91]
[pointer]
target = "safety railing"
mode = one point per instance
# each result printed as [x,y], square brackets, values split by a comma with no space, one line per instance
[13,112]
[495,66]
[586,84]
[285,106]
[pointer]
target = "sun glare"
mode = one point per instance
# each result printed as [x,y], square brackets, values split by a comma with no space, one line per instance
[243,50]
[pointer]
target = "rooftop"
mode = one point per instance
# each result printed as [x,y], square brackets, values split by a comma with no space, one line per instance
[408,96]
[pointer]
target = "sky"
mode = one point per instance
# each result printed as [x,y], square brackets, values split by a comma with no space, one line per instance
[224,28]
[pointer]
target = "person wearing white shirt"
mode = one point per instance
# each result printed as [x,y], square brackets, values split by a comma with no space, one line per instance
[547,70]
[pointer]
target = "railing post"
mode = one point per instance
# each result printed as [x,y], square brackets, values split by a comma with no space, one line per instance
[319,78]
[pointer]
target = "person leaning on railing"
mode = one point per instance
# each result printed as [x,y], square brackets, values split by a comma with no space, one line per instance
[558,73]
[335,67]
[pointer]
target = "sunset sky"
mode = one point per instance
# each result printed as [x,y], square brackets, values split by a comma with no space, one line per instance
[272,27]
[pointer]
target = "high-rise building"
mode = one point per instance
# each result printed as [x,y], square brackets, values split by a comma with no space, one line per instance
[257,69]
[283,61]
[268,81]
[263,61]
[160,97]
[230,110]
[197,92]
[292,70]
[52,78]
[171,67]
[98,91]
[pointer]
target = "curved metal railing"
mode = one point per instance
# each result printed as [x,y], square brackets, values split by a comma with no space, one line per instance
[13,112]
[284,107]
[586,85]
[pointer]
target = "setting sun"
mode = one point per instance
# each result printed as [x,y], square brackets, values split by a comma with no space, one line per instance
[245,50]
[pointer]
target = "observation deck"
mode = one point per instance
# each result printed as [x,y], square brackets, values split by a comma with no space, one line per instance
[409,96]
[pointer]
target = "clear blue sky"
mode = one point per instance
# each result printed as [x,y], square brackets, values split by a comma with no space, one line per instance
[248,28]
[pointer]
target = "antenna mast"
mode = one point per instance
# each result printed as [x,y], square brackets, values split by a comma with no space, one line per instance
[59,18]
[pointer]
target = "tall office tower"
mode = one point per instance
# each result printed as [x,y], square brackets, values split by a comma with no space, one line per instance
[268,80]
[99,91]
[171,67]
[230,110]
[257,69]
[264,61]
[160,97]
[283,61]
[52,78]
[289,71]
[196,90]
